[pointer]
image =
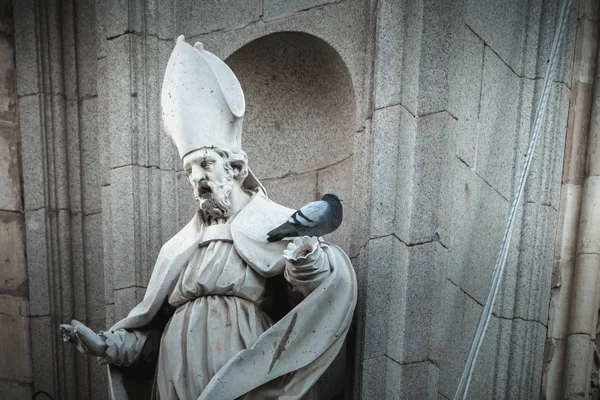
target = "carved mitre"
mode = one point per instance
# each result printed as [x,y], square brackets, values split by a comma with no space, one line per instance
[202,101]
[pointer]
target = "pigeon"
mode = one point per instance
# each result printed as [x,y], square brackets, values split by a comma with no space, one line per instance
[317,218]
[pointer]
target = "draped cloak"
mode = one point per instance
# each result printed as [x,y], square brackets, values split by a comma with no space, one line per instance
[288,358]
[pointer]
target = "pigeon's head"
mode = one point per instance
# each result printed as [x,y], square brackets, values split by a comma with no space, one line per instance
[335,203]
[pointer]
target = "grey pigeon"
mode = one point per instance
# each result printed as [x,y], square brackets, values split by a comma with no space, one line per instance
[317,218]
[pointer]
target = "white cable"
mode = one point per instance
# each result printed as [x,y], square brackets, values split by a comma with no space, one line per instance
[486,314]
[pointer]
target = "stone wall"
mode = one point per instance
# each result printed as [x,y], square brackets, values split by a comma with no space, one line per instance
[15,348]
[416,111]
[455,88]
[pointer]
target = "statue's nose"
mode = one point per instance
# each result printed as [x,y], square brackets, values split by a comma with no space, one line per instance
[198,175]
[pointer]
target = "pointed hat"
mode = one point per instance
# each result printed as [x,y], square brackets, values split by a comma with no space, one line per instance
[202,102]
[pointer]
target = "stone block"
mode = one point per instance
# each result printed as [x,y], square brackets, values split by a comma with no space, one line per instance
[383,378]
[337,179]
[6,18]
[12,248]
[526,296]
[578,124]
[169,208]
[543,184]
[74,161]
[430,182]
[394,130]
[26,50]
[94,266]
[121,88]
[8,89]
[10,176]
[398,60]
[42,345]
[478,222]
[126,185]
[107,251]
[85,21]
[122,16]
[465,92]
[90,158]
[126,299]
[499,146]
[293,191]
[461,315]
[102,118]
[14,347]
[440,23]
[36,225]
[186,203]
[56,151]
[15,391]
[361,185]
[195,18]
[584,67]
[423,324]
[275,8]
[32,152]
[385,306]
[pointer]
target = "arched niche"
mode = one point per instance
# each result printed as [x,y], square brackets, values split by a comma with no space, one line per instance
[300,119]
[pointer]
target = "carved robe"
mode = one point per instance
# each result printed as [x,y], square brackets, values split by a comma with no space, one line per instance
[220,343]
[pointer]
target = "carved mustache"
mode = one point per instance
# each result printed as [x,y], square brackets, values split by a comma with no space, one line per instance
[204,187]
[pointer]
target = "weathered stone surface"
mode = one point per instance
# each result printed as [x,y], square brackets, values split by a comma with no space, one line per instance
[12,248]
[14,342]
[383,378]
[10,177]
[301,104]
[86,39]
[543,184]
[16,391]
[37,256]
[465,94]
[498,145]
[275,8]
[338,179]
[90,159]
[94,266]
[346,31]
[195,18]
[43,330]
[26,49]
[8,95]
[361,183]
[126,299]
[384,310]
[477,229]
[293,191]
[394,130]
[34,187]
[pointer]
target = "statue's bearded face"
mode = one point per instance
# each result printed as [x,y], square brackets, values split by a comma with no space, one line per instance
[212,180]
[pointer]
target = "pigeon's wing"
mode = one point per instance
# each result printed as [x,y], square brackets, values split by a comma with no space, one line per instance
[310,215]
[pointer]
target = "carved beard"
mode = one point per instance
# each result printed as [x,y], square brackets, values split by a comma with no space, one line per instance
[215,204]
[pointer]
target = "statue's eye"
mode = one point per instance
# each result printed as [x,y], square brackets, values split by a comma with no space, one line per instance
[188,170]
[206,164]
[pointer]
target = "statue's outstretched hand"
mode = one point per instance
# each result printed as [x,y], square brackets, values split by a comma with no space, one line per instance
[83,338]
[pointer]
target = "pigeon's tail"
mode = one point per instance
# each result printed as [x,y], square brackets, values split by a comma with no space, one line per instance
[281,232]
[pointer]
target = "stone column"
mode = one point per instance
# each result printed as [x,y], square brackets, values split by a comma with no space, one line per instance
[15,350]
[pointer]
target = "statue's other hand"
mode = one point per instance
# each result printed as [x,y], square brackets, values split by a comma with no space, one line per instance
[83,338]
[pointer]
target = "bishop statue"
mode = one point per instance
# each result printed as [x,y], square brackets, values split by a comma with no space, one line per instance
[226,314]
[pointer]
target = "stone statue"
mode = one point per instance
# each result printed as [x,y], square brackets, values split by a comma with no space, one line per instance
[227,314]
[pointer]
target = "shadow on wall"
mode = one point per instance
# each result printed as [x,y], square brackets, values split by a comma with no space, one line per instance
[299,131]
